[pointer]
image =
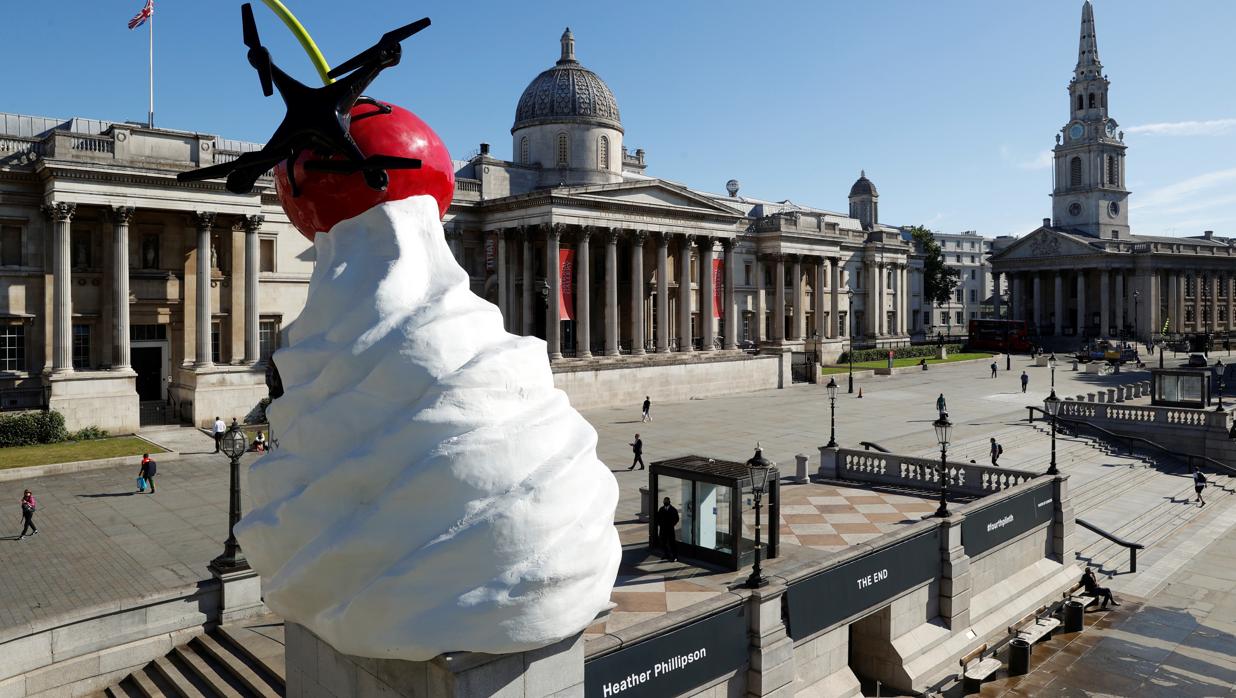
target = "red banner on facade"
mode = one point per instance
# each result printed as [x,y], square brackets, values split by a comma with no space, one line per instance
[491,256]
[566,284]
[718,278]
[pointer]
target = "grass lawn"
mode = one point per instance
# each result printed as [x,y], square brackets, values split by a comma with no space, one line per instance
[898,363]
[68,451]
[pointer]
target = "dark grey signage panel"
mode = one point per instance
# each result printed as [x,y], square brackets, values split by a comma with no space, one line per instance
[999,523]
[869,582]
[673,663]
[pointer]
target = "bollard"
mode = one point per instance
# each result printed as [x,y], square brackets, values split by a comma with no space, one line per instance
[800,475]
[645,504]
[1102,396]
[1111,394]
[1074,611]
[1089,397]
[1120,394]
[1019,656]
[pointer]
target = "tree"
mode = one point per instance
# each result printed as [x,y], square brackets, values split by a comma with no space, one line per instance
[939,280]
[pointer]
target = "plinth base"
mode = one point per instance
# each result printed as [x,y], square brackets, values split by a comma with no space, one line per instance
[240,594]
[317,670]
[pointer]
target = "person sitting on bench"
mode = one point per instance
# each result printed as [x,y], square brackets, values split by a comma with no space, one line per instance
[1093,589]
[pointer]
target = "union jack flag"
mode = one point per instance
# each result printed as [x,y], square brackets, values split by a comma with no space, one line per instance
[140,18]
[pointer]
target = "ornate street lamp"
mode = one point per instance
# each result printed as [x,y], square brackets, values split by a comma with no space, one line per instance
[234,445]
[1137,295]
[759,468]
[1051,363]
[849,301]
[944,431]
[1051,405]
[1219,406]
[832,413]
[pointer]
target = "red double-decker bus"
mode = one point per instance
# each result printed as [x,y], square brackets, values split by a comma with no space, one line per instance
[1000,335]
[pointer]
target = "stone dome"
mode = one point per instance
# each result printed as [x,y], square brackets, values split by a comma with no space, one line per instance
[567,93]
[863,186]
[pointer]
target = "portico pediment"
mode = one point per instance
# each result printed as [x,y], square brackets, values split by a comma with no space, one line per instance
[1044,243]
[651,192]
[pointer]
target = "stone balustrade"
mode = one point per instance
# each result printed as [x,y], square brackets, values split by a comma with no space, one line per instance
[919,473]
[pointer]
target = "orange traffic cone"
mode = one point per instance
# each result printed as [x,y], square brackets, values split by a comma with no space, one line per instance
[860,391]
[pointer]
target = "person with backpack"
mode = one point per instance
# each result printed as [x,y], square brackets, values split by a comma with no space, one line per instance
[147,473]
[993,369]
[1199,484]
[996,451]
[28,507]
[1025,380]
[941,405]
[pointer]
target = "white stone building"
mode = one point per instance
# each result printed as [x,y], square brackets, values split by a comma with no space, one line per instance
[968,253]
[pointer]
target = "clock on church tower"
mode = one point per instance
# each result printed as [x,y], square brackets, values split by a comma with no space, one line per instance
[1089,196]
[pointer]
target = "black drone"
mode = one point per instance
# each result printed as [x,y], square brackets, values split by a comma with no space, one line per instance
[317,118]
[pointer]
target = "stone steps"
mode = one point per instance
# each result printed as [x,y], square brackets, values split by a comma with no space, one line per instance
[233,661]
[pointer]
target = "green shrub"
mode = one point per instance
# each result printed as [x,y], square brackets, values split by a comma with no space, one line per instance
[88,434]
[30,428]
[922,350]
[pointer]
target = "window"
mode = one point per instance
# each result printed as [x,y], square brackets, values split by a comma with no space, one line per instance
[926,317]
[603,153]
[81,249]
[841,323]
[12,348]
[268,338]
[972,260]
[1075,174]
[147,333]
[150,252]
[973,315]
[973,295]
[1092,100]
[746,274]
[972,245]
[266,255]
[957,295]
[10,246]
[943,317]
[960,317]
[889,283]
[523,150]
[564,156]
[215,342]
[1113,170]
[972,277]
[81,347]
[1081,103]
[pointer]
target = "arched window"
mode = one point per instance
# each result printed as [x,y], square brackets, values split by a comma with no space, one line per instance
[1081,102]
[603,153]
[564,156]
[523,150]
[1103,99]
[1113,170]
[1075,175]
[1092,100]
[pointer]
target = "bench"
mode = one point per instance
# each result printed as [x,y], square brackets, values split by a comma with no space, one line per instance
[1035,626]
[1076,593]
[975,670]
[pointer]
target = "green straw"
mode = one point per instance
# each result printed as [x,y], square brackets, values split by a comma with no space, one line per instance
[306,41]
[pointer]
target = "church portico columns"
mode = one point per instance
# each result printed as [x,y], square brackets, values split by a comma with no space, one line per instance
[684,294]
[778,298]
[995,294]
[553,310]
[1119,324]
[583,290]
[1081,303]
[1058,296]
[663,323]
[525,235]
[1017,302]
[817,294]
[707,333]
[1214,301]
[611,291]
[638,284]
[1105,295]
[761,300]
[61,214]
[731,310]
[799,312]
[1037,312]
[121,216]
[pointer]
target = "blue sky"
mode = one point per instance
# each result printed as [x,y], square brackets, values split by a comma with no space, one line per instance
[950,107]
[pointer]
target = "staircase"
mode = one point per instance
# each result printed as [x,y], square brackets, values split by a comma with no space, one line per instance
[244,660]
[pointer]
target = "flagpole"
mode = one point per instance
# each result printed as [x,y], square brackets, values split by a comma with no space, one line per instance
[150,114]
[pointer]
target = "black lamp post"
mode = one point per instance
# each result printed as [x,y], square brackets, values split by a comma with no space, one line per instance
[832,413]
[758,467]
[1137,296]
[1051,405]
[1162,347]
[944,430]
[1051,363]
[849,300]
[234,444]
[1008,351]
[1219,406]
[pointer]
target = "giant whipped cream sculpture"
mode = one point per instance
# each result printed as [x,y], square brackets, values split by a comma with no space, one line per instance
[431,490]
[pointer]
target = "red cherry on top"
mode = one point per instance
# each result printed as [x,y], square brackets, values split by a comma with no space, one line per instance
[327,198]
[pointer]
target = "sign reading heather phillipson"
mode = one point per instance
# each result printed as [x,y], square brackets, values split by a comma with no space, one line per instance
[999,523]
[673,663]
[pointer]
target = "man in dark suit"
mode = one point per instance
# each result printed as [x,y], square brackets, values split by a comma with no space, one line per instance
[667,520]
[637,447]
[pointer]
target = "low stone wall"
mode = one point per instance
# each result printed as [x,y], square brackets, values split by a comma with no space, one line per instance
[916,473]
[626,381]
[1188,431]
[104,399]
[86,650]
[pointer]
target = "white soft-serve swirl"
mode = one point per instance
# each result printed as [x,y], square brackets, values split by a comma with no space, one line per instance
[431,490]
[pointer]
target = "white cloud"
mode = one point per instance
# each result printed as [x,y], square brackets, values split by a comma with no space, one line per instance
[1041,162]
[1184,193]
[1214,127]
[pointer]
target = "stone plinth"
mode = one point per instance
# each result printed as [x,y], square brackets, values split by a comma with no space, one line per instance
[104,399]
[219,391]
[317,670]
[241,594]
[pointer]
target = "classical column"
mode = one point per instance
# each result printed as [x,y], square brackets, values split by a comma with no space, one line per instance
[1105,296]
[663,320]
[684,294]
[611,291]
[1227,288]
[1183,281]
[252,224]
[731,310]
[204,220]
[706,293]
[1119,315]
[121,215]
[504,298]
[1058,296]
[796,285]
[454,240]
[903,300]
[1016,302]
[761,302]
[553,309]
[61,214]
[779,298]
[638,285]
[834,297]
[583,295]
[525,234]
[1174,319]
[1038,310]
[817,292]
[1214,300]
[1081,303]
[996,301]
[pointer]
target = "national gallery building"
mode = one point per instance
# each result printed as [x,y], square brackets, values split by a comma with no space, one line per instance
[126,295]
[1083,273]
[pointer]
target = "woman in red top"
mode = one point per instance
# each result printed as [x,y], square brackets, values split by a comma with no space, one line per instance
[28,506]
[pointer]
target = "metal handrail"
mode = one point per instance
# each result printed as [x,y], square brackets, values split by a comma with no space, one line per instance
[1133,547]
[869,446]
[1189,457]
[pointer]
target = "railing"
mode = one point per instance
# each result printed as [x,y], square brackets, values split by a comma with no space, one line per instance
[1141,415]
[89,143]
[9,144]
[1133,547]
[872,446]
[924,473]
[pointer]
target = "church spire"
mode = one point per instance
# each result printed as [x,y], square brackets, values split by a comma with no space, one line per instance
[568,47]
[1088,65]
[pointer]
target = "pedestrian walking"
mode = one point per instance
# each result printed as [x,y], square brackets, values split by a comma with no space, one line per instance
[1093,589]
[667,520]
[993,369]
[1025,380]
[1199,484]
[147,473]
[637,447]
[996,451]
[220,427]
[941,405]
[647,407]
[28,507]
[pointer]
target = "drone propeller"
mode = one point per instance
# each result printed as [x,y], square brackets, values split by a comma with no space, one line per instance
[393,37]
[373,162]
[259,57]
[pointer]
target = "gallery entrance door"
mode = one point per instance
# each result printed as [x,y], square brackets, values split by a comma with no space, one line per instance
[147,361]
